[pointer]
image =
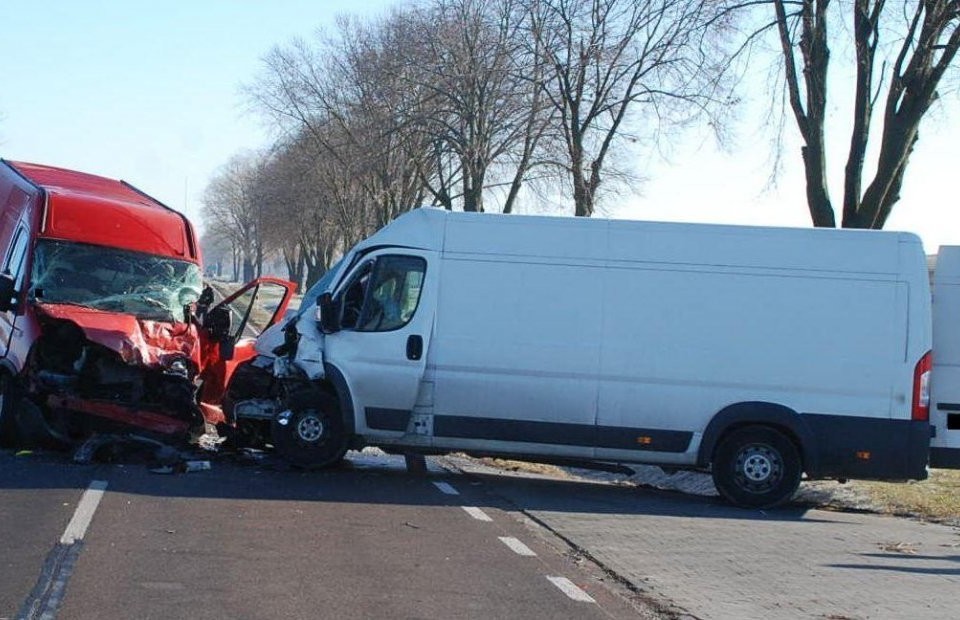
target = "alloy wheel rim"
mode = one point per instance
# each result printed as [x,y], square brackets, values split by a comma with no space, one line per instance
[310,428]
[759,468]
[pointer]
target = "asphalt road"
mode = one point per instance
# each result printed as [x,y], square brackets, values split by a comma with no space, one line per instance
[461,541]
[249,541]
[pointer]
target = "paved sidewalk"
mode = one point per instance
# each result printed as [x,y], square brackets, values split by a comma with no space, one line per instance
[717,562]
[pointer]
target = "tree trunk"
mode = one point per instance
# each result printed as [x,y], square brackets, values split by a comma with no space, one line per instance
[884,191]
[582,197]
[818,198]
[472,192]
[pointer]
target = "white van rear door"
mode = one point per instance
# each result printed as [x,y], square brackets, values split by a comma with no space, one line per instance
[388,303]
[945,379]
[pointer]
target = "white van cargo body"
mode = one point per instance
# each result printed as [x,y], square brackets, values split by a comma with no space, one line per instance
[945,380]
[758,353]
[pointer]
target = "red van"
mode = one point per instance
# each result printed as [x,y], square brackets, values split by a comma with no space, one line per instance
[104,321]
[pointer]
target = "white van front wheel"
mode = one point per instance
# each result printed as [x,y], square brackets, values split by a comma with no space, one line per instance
[309,432]
[757,467]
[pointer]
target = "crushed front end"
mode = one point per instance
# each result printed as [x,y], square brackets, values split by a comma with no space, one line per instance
[116,348]
[98,371]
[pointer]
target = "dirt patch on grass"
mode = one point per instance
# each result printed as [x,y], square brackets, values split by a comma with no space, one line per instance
[523,466]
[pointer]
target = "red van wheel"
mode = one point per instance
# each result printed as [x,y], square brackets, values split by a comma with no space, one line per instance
[7,426]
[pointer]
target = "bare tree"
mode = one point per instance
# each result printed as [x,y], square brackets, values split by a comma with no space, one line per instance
[306,215]
[478,104]
[902,53]
[608,58]
[345,93]
[230,207]
[217,249]
[277,187]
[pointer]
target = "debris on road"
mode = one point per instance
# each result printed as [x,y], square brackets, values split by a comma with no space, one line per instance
[899,547]
[210,442]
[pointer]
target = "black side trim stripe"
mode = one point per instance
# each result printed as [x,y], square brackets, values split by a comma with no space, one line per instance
[945,458]
[948,406]
[387,419]
[621,438]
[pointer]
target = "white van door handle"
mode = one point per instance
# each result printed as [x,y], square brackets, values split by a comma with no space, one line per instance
[414,347]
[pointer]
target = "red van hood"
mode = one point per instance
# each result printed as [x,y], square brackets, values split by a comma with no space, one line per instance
[137,341]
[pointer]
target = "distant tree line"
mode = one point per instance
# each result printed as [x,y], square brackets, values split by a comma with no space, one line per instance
[460,104]
[481,105]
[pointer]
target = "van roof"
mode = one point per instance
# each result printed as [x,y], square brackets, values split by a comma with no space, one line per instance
[633,241]
[92,209]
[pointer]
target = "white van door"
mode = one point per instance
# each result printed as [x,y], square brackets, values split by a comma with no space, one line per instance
[387,306]
[945,378]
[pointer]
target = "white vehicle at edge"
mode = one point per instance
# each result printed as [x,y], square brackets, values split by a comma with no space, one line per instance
[757,353]
[945,378]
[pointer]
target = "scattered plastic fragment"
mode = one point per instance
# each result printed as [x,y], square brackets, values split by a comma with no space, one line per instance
[166,469]
[252,454]
[24,453]
[210,442]
[192,466]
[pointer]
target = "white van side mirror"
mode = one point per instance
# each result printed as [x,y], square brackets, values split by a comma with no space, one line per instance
[327,316]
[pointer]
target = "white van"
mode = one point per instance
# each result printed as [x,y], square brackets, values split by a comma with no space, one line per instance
[757,353]
[945,380]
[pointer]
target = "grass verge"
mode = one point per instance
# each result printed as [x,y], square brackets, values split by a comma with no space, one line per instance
[936,499]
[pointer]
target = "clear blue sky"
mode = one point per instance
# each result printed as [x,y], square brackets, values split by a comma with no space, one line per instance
[149,92]
[144,91]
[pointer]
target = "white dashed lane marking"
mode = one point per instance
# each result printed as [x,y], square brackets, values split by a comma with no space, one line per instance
[446,488]
[518,547]
[476,513]
[84,513]
[571,589]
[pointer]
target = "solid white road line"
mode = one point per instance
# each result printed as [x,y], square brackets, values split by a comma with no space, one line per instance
[446,488]
[518,547]
[571,589]
[476,513]
[84,513]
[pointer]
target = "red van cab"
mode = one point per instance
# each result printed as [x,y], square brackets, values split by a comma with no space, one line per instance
[104,321]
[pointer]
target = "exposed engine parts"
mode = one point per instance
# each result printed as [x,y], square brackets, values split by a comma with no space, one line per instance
[65,367]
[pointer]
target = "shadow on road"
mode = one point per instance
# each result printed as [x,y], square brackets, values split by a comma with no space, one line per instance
[377,480]
[916,570]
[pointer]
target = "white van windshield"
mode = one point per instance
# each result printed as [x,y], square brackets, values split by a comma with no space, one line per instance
[147,286]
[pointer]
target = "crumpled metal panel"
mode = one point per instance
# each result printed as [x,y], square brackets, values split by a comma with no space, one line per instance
[137,341]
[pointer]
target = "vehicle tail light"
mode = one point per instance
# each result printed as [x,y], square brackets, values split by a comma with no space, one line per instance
[921,389]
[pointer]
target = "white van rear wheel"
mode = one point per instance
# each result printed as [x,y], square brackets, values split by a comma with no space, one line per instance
[757,467]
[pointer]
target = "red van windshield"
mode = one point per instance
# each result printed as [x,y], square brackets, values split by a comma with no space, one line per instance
[144,285]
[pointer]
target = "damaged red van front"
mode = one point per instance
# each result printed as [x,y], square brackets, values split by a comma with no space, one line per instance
[104,322]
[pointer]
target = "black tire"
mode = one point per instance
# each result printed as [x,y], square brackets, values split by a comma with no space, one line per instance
[8,433]
[310,433]
[757,467]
